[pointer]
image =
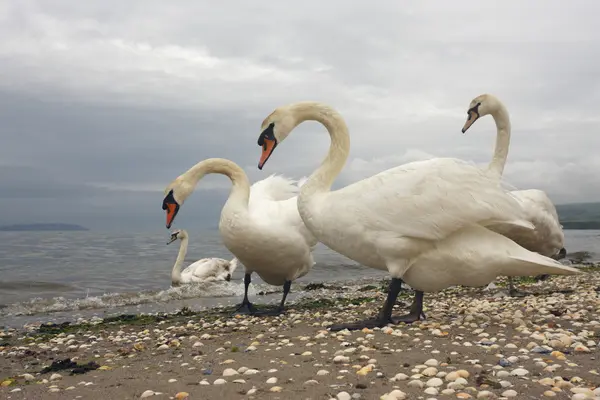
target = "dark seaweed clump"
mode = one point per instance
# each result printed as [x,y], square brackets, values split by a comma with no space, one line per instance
[67,363]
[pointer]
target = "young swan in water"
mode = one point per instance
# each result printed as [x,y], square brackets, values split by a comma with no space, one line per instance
[204,270]
[547,237]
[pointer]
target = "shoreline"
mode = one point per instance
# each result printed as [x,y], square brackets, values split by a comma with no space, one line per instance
[473,344]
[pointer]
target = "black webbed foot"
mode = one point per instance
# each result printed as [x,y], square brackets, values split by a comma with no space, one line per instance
[245,309]
[385,315]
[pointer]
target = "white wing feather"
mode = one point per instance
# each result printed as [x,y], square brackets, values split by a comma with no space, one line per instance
[436,198]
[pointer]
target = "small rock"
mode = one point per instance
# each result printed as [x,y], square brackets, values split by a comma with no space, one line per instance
[502,374]
[343,396]
[147,393]
[172,380]
[416,384]
[431,391]
[432,362]
[219,382]
[546,382]
[251,372]
[396,395]
[341,360]
[549,393]
[182,395]
[322,372]
[230,372]
[434,382]
[431,371]
[519,372]
[28,377]
[272,380]
[398,377]
[55,377]
[276,389]
[581,349]
[485,394]
[311,382]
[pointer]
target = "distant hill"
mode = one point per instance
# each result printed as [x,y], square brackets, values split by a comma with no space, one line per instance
[579,215]
[43,227]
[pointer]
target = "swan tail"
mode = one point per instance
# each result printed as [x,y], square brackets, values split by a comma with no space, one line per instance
[274,187]
[536,264]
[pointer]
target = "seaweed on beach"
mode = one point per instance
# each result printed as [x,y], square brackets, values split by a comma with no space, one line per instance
[67,363]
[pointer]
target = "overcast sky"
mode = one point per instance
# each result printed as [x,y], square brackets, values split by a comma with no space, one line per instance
[104,102]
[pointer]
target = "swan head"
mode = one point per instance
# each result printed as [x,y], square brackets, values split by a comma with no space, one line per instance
[274,129]
[177,234]
[480,106]
[175,195]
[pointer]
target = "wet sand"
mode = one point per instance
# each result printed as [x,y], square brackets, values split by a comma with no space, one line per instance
[473,344]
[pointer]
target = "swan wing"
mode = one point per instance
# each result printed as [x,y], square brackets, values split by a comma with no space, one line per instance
[424,200]
[547,237]
[273,204]
[274,188]
[206,268]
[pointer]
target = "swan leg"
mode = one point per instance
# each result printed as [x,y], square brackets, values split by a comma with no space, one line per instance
[279,310]
[385,315]
[416,310]
[246,307]
[513,291]
[228,278]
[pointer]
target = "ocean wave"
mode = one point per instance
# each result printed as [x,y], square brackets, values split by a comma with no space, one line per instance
[113,300]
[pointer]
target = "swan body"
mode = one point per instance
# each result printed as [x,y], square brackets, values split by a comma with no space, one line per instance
[410,219]
[547,237]
[260,225]
[204,270]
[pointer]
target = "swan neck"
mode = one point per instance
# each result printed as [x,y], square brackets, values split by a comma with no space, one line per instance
[502,120]
[176,273]
[324,176]
[240,190]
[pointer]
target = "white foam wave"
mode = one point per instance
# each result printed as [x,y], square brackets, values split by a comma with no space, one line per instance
[112,300]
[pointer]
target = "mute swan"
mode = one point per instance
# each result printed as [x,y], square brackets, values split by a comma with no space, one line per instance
[424,222]
[204,270]
[547,237]
[260,225]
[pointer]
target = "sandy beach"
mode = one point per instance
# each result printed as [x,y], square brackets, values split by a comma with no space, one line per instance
[474,344]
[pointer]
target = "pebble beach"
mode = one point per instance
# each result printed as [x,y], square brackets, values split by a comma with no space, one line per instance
[474,344]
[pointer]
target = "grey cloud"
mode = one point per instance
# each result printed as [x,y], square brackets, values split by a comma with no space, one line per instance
[103,103]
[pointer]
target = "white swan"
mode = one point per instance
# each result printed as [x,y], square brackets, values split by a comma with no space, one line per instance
[424,222]
[547,237]
[204,270]
[259,225]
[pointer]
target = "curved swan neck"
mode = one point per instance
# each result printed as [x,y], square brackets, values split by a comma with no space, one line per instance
[176,273]
[240,191]
[502,120]
[323,177]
